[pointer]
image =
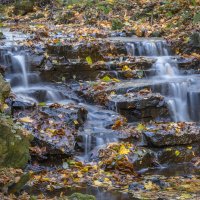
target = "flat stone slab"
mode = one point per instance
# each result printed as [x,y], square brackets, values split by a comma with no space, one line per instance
[54,127]
[138,105]
[171,134]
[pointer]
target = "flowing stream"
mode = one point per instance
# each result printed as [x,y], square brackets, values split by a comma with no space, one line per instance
[181,92]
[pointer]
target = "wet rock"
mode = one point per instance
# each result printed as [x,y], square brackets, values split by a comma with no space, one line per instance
[36,60]
[2,68]
[135,106]
[142,158]
[177,154]
[162,184]
[136,186]
[79,51]
[19,105]
[70,113]
[118,157]
[14,144]
[55,127]
[195,39]
[171,134]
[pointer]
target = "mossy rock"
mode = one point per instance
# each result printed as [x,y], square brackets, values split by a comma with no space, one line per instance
[79,196]
[23,7]
[14,144]
[117,24]
[4,91]
[195,39]
[2,36]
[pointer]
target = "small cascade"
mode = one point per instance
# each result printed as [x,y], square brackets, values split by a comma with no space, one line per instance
[25,83]
[148,48]
[166,67]
[96,131]
[20,59]
[181,100]
[178,104]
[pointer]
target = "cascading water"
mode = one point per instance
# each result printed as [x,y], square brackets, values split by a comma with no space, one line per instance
[22,64]
[26,84]
[148,48]
[181,100]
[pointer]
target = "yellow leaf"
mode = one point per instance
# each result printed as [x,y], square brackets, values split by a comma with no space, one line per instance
[50,130]
[126,68]
[190,147]
[5,107]
[168,149]
[140,127]
[149,186]
[26,120]
[106,79]
[76,122]
[116,80]
[97,183]
[89,60]
[177,153]
[123,150]
[79,174]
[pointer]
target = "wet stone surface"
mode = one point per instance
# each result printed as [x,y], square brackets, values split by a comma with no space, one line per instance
[54,127]
[138,106]
[172,134]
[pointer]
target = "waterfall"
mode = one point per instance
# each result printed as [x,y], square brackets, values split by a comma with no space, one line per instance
[24,81]
[148,48]
[183,103]
[23,68]
[165,67]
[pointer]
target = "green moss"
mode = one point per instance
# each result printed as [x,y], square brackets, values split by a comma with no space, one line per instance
[79,196]
[14,144]
[23,7]
[117,24]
